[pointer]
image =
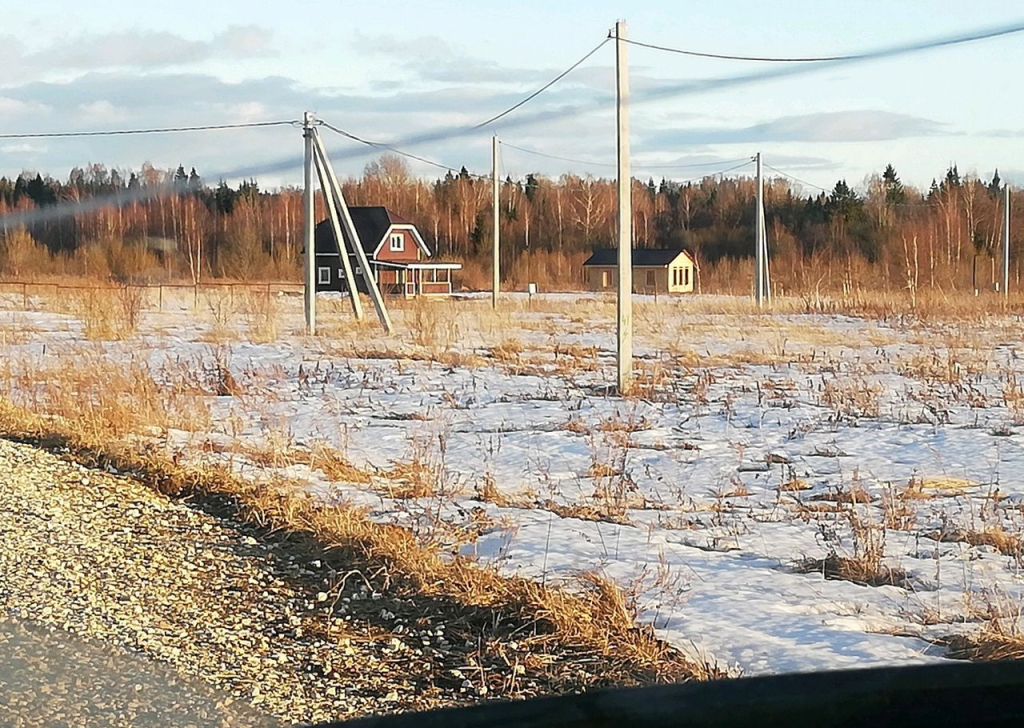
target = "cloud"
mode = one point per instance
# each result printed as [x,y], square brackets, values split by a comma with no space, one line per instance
[22,148]
[11,107]
[1004,133]
[130,49]
[836,126]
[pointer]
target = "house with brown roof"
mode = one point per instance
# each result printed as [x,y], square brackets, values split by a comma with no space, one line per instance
[654,270]
[400,260]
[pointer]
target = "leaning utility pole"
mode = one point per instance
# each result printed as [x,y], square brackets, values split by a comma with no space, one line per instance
[308,214]
[323,174]
[352,236]
[759,246]
[1006,242]
[624,328]
[496,252]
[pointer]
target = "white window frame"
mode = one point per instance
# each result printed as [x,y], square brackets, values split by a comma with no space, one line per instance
[320,271]
[396,243]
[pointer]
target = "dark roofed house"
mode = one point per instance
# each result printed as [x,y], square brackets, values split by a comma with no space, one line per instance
[655,270]
[395,250]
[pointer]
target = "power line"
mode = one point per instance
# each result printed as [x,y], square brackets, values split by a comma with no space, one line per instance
[381,145]
[795,179]
[543,88]
[730,57]
[700,86]
[684,88]
[638,165]
[154,130]
[721,172]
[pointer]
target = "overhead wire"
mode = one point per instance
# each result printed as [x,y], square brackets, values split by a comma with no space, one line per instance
[637,165]
[543,88]
[151,130]
[390,148]
[732,57]
[675,90]
[795,178]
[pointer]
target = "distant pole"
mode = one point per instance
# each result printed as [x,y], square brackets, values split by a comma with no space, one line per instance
[496,204]
[1006,243]
[766,263]
[307,204]
[624,329]
[759,238]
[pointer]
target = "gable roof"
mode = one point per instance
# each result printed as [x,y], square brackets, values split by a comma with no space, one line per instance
[642,257]
[371,223]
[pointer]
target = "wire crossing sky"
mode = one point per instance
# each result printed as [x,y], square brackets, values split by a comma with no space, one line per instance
[805,96]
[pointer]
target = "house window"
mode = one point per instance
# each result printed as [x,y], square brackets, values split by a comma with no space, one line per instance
[605,279]
[397,243]
[323,275]
[650,278]
[686,276]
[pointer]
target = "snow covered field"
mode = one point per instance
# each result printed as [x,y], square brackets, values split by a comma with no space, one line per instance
[759,451]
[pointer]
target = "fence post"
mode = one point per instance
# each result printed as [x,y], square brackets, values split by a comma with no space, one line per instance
[24,296]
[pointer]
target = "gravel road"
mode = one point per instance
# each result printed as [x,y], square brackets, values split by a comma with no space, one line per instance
[117,603]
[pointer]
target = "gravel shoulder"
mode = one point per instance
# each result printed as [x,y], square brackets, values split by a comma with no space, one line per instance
[238,628]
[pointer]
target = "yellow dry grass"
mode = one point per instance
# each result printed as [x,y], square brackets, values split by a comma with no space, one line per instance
[593,620]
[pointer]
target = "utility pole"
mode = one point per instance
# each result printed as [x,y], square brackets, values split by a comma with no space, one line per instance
[759,246]
[308,213]
[352,235]
[1006,242]
[327,189]
[766,264]
[496,252]
[624,327]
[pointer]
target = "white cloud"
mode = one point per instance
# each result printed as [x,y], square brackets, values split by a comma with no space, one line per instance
[22,148]
[101,111]
[129,49]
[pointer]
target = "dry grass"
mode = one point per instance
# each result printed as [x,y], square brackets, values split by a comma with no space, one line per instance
[587,512]
[866,565]
[261,316]
[107,400]
[993,536]
[852,398]
[107,313]
[591,621]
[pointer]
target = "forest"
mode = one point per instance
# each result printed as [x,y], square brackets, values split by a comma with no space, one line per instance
[879,235]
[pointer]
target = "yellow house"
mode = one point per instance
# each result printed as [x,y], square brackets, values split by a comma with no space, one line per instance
[654,270]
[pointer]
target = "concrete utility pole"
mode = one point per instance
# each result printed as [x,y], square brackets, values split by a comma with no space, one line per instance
[308,214]
[496,253]
[766,264]
[327,189]
[353,237]
[1006,242]
[624,328]
[759,246]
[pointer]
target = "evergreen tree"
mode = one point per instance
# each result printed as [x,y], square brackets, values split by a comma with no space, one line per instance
[894,192]
[996,185]
[180,178]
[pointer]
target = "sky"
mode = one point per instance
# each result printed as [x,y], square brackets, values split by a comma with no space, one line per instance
[411,73]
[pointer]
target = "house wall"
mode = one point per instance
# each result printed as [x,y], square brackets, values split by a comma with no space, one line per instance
[410,254]
[680,275]
[603,278]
